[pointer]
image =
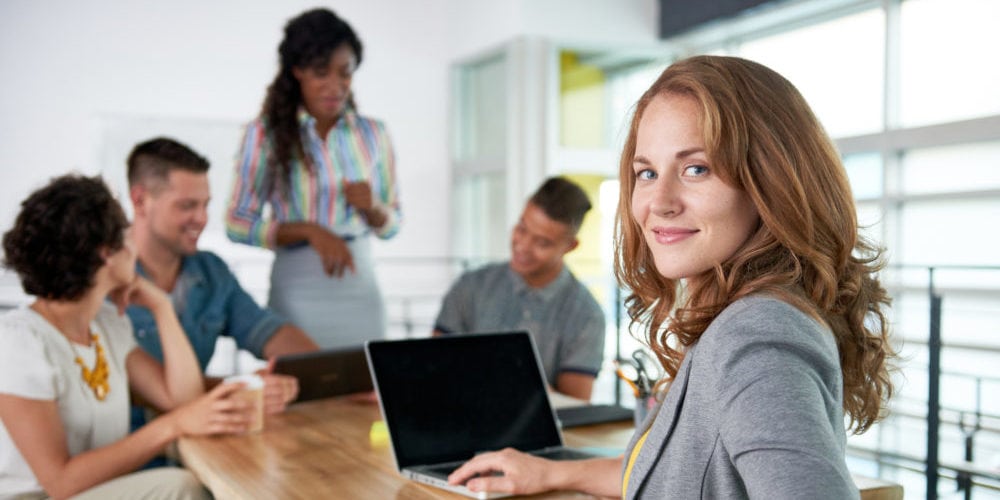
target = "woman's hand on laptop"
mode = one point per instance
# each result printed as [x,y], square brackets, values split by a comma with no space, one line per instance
[506,471]
[510,471]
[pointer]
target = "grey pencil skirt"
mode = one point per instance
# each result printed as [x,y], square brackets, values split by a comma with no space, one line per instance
[335,312]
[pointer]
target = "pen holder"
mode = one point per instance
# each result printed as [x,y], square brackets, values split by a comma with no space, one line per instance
[643,405]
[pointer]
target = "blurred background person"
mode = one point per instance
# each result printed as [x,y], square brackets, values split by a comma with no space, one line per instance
[327,175]
[69,361]
[169,190]
[535,291]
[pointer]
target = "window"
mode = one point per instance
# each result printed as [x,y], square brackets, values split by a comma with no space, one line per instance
[947,60]
[837,65]
[865,174]
[483,100]
[479,185]
[964,168]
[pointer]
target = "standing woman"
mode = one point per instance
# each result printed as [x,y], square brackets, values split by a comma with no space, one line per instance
[328,176]
[738,240]
[68,362]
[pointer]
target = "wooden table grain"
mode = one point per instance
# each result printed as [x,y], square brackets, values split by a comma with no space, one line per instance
[325,449]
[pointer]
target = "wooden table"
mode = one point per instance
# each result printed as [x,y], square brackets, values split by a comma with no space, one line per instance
[323,449]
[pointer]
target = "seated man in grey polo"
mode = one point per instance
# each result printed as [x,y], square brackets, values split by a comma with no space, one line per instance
[534,291]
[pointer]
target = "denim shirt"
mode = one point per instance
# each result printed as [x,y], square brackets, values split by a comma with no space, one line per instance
[209,303]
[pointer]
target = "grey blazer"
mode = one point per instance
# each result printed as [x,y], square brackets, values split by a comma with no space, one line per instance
[754,412]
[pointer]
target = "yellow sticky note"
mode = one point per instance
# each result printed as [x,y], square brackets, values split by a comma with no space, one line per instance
[379,434]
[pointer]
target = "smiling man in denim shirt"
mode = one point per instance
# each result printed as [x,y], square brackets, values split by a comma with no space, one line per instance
[168,187]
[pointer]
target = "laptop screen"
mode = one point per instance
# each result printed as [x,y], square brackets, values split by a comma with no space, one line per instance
[446,398]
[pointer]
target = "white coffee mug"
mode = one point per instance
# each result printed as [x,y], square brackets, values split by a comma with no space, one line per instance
[253,392]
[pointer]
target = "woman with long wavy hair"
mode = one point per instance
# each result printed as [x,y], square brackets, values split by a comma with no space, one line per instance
[738,241]
[327,176]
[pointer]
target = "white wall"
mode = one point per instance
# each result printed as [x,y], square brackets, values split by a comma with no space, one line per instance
[81,81]
[478,25]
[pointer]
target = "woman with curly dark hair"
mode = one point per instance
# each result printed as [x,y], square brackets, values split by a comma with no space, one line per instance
[69,361]
[328,176]
[738,240]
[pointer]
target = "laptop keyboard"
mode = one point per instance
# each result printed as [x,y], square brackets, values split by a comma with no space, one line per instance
[574,416]
[442,470]
[563,454]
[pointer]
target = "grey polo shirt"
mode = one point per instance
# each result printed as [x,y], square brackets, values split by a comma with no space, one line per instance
[565,321]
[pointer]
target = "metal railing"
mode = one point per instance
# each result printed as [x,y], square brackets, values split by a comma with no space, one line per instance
[967,425]
[934,344]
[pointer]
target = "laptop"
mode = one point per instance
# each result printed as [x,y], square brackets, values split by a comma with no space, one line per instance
[445,399]
[327,373]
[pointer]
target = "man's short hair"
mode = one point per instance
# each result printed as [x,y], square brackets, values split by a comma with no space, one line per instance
[156,158]
[562,201]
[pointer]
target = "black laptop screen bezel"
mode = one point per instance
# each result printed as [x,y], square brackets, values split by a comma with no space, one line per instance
[445,399]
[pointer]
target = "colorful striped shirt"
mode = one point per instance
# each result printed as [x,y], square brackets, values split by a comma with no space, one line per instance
[357,148]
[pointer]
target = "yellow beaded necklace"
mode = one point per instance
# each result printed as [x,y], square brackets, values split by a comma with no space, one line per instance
[96,377]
